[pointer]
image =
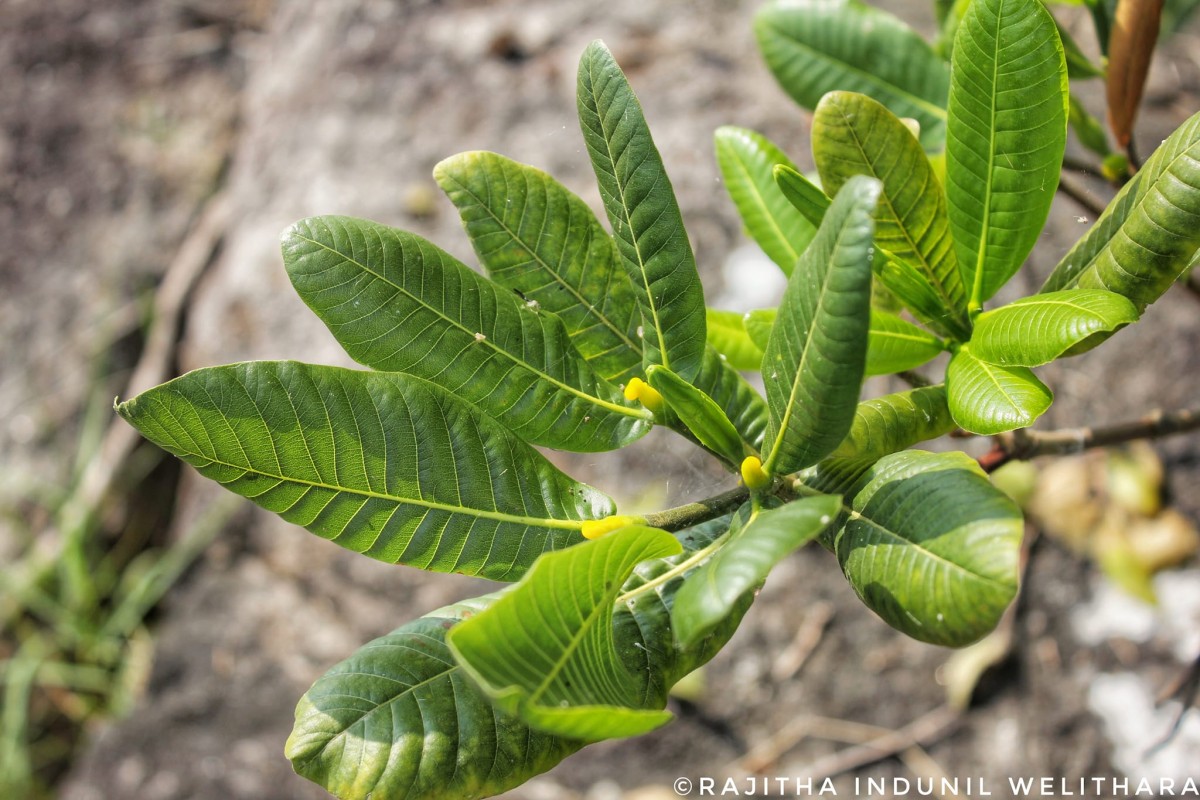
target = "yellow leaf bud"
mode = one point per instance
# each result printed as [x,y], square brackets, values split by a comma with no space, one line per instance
[595,528]
[753,475]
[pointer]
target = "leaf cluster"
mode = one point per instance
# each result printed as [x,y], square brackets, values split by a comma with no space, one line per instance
[934,182]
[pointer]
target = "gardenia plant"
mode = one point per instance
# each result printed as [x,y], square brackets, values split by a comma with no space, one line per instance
[580,339]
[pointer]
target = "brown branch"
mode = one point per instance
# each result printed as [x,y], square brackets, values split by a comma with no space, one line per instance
[925,730]
[1077,193]
[914,379]
[1024,444]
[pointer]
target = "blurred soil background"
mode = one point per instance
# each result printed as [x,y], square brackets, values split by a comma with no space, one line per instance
[157,635]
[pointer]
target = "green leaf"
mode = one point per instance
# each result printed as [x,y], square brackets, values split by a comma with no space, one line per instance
[397,303]
[894,345]
[817,46]
[1079,66]
[1005,137]
[747,161]
[855,135]
[1150,232]
[1088,129]
[988,399]
[534,236]
[813,364]
[759,324]
[1036,330]
[383,464]
[927,542]
[400,719]
[728,336]
[805,196]
[712,592]
[545,651]
[895,422]
[699,413]
[742,404]
[645,217]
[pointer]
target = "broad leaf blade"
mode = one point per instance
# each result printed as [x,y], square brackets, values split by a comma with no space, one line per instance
[644,214]
[545,651]
[740,401]
[728,336]
[988,399]
[1150,232]
[536,237]
[699,413]
[1036,330]
[759,324]
[712,593]
[895,422]
[894,345]
[400,719]
[805,196]
[817,46]
[814,360]
[927,543]
[1005,137]
[397,303]
[747,161]
[855,135]
[383,464]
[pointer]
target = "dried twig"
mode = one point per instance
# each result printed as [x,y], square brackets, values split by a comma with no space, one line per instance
[1024,444]
[1077,193]
[808,636]
[924,730]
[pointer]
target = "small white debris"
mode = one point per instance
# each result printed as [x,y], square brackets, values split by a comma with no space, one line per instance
[1081,220]
[479,337]
[641,331]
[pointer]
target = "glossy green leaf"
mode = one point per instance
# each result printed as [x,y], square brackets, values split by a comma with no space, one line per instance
[759,324]
[546,652]
[384,464]
[397,303]
[855,135]
[644,214]
[642,620]
[536,237]
[1088,129]
[1006,134]
[1150,232]
[805,196]
[1079,66]
[712,593]
[747,161]
[895,422]
[728,336]
[1036,330]
[740,402]
[699,413]
[813,364]
[399,718]
[818,46]
[927,542]
[895,344]
[988,398]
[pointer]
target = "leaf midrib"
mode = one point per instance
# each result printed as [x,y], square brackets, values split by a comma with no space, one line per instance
[980,256]
[485,342]
[764,209]
[498,516]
